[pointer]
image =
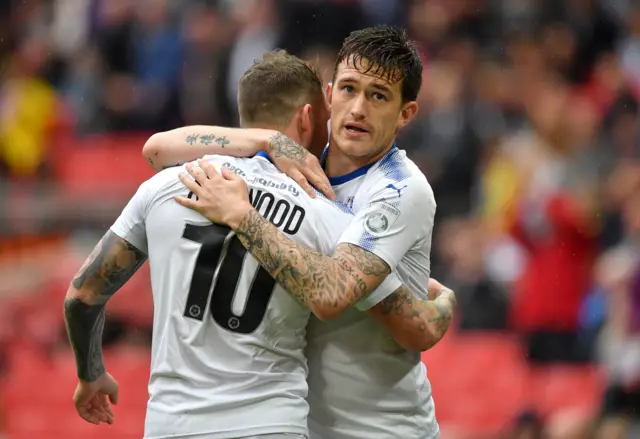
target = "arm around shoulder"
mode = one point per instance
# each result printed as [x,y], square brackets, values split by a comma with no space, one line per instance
[416,325]
[181,145]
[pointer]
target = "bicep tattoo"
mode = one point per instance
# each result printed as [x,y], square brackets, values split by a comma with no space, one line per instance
[111,264]
[368,263]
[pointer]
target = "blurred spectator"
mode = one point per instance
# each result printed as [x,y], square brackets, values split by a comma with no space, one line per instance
[203,96]
[257,33]
[28,106]
[618,275]
[555,223]
[482,300]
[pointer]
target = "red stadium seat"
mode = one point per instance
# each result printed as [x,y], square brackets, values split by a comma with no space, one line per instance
[478,382]
[569,387]
[111,162]
[49,412]
[134,301]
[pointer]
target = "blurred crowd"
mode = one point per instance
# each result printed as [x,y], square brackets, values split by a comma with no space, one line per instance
[528,132]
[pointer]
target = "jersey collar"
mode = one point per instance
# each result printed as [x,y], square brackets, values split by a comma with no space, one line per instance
[335,181]
[264,155]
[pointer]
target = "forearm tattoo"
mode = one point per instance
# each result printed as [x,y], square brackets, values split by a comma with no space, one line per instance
[282,146]
[312,278]
[432,317]
[110,265]
[206,139]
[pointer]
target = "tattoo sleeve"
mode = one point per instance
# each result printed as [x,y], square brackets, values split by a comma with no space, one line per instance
[416,324]
[324,284]
[110,265]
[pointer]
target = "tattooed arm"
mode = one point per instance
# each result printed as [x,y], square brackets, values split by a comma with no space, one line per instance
[416,325]
[327,285]
[110,265]
[171,148]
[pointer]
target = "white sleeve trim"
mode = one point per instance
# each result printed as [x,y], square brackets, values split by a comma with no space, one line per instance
[391,283]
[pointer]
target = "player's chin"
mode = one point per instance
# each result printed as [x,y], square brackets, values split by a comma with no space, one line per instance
[357,147]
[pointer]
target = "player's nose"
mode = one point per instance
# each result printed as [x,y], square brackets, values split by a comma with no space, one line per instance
[358,107]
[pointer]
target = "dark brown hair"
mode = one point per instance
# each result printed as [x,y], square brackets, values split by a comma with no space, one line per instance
[275,87]
[386,52]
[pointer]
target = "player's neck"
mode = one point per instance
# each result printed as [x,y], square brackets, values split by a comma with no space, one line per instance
[339,164]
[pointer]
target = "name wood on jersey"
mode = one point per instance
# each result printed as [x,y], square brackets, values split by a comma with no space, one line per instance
[286,216]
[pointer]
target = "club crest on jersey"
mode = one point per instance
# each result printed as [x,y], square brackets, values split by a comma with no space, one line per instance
[376,223]
[380,217]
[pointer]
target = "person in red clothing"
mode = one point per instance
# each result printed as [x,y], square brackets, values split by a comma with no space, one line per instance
[558,234]
[554,222]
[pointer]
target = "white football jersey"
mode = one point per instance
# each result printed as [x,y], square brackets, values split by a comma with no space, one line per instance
[362,384]
[227,352]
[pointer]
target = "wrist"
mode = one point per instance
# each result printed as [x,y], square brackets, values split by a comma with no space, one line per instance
[91,377]
[237,214]
[265,138]
[86,381]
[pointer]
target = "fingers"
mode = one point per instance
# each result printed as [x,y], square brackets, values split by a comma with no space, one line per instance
[190,184]
[320,182]
[434,285]
[229,174]
[208,169]
[435,288]
[186,202]
[88,416]
[304,184]
[104,402]
[113,397]
[105,408]
[197,173]
[100,412]
[316,176]
[90,412]
[95,414]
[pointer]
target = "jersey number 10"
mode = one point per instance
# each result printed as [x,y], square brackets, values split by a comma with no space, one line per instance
[221,260]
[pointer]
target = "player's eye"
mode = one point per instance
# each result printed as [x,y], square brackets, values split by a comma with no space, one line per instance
[347,88]
[379,96]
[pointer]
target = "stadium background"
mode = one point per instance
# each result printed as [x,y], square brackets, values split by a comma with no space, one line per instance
[528,132]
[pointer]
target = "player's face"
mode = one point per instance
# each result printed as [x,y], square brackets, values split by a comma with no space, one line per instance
[366,112]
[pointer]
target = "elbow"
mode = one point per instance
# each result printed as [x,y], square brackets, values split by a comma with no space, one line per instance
[327,312]
[418,344]
[151,151]
[418,341]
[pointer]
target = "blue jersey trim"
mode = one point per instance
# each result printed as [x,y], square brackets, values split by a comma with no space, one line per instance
[335,181]
[264,155]
[343,207]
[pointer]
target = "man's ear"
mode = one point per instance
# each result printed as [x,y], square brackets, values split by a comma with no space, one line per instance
[305,125]
[327,95]
[408,112]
